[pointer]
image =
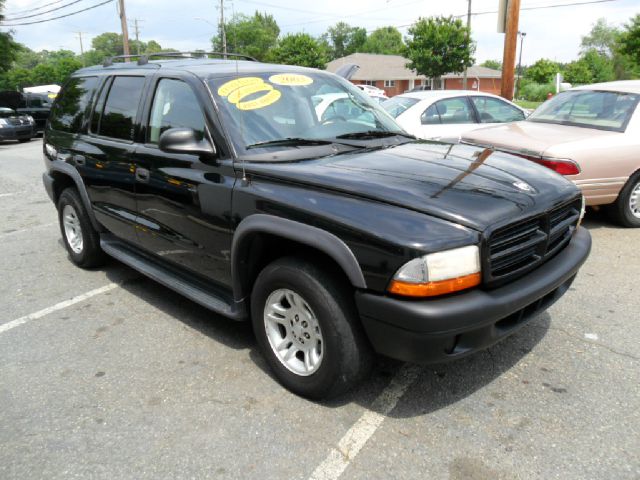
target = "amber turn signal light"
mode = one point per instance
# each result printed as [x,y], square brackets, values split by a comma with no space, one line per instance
[431,289]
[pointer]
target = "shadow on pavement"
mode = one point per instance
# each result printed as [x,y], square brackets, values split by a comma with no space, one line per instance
[444,384]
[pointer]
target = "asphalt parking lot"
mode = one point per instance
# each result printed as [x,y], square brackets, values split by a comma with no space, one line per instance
[106,374]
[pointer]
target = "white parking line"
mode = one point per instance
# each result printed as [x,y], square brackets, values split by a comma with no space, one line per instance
[22,230]
[58,306]
[7,194]
[352,442]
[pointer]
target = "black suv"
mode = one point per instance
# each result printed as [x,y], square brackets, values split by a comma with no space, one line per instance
[285,195]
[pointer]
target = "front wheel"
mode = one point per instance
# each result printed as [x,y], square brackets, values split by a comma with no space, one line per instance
[626,210]
[24,140]
[307,328]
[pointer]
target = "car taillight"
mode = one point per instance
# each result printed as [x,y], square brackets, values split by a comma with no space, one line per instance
[563,167]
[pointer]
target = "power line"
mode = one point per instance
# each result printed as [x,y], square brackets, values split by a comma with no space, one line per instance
[29,10]
[42,13]
[58,17]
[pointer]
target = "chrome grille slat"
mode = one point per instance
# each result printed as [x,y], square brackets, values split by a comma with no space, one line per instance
[518,248]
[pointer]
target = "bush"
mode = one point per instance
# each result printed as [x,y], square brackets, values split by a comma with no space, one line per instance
[536,92]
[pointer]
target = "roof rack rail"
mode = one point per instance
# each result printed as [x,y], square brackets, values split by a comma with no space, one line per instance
[143,59]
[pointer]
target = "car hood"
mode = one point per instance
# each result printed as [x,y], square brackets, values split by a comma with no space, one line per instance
[528,137]
[468,185]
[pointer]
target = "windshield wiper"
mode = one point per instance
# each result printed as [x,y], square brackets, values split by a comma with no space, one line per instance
[291,141]
[373,134]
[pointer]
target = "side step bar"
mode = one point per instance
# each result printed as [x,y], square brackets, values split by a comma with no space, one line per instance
[169,278]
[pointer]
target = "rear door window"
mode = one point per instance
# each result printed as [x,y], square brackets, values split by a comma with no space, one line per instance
[175,105]
[72,104]
[493,110]
[448,111]
[118,117]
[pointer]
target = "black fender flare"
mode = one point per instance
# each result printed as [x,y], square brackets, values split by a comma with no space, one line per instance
[70,171]
[305,234]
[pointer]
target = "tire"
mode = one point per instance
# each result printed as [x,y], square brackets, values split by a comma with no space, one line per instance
[626,209]
[24,140]
[79,237]
[321,313]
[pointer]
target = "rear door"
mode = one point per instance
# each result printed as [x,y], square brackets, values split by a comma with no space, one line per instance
[447,119]
[104,156]
[184,201]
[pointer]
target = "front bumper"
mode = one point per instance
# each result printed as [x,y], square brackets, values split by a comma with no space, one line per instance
[16,133]
[429,331]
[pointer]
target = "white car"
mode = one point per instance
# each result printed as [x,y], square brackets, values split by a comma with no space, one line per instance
[447,114]
[374,92]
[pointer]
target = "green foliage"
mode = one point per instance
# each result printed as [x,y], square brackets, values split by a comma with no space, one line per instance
[439,45]
[255,35]
[108,44]
[602,38]
[536,92]
[577,73]
[543,71]
[300,49]
[342,39]
[629,41]
[385,40]
[494,64]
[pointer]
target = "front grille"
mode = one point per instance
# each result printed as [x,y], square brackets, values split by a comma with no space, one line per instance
[518,248]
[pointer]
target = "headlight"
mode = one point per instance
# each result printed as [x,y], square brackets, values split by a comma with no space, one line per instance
[438,273]
[3,122]
[30,118]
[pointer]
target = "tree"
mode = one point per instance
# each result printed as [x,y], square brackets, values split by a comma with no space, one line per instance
[254,36]
[439,45]
[600,66]
[108,44]
[543,71]
[493,64]
[578,73]
[343,39]
[300,49]
[8,47]
[629,41]
[601,38]
[385,40]
[65,67]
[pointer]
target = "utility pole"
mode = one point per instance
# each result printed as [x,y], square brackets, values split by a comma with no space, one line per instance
[81,48]
[464,76]
[510,45]
[222,32]
[137,30]
[125,30]
[522,35]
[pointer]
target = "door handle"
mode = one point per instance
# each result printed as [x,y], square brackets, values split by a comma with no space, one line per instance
[142,174]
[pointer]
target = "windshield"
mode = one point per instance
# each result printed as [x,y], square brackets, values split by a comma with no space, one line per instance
[6,113]
[397,105]
[587,108]
[262,110]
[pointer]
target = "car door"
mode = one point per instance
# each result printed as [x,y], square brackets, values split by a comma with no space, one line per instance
[184,200]
[104,156]
[493,111]
[447,119]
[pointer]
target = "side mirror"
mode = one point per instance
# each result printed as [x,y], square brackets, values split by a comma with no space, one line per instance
[184,140]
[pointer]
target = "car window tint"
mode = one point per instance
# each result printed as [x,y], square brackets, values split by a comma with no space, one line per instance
[430,116]
[174,106]
[120,108]
[493,110]
[71,105]
[454,110]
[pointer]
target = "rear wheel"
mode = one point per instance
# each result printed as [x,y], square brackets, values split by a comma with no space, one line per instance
[626,210]
[80,238]
[306,325]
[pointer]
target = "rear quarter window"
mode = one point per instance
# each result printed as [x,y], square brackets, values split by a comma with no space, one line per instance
[70,109]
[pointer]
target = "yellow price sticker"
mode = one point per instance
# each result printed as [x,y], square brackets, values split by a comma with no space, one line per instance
[232,85]
[291,79]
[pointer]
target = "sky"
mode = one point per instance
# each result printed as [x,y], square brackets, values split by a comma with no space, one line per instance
[553,33]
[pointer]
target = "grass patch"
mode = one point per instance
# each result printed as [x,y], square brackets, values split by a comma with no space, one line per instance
[527,104]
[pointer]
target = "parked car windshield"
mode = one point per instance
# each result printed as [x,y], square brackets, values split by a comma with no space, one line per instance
[398,105]
[7,112]
[263,110]
[588,108]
